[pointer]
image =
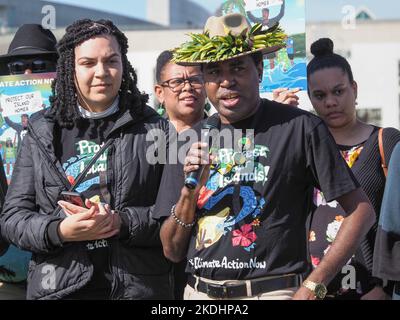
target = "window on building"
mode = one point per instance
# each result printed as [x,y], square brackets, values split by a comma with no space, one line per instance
[372,116]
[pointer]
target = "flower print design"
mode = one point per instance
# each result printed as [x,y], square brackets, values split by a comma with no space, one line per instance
[333,228]
[319,199]
[352,155]
[311,236]
[256,222]
[244,237]
[204,196]
[315,261]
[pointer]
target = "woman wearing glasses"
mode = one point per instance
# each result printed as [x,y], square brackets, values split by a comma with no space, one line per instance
[180,90]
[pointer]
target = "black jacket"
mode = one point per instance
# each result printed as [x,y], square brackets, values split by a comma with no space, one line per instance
[3,191]
[140,271]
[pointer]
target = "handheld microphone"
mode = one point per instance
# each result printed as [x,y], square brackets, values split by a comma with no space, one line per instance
[192,180]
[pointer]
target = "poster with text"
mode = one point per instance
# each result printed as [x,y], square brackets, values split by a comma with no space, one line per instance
[287,67]
[20,97]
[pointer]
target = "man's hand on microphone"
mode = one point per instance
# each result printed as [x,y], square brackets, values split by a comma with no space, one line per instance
[198,158]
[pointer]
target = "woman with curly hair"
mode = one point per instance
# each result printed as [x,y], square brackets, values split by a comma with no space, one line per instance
[92,141]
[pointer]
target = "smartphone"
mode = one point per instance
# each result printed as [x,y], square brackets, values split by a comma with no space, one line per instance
[74,198]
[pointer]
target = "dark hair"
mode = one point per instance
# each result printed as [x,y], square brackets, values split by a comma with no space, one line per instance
[257,57]
[324,57]
[163,59]
[63,102]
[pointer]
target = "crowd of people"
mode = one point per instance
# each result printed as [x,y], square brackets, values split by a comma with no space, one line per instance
[281,204]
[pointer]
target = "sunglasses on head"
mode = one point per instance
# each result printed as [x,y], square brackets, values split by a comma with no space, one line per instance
[35,65]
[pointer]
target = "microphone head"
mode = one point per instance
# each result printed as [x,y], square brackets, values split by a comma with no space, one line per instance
[212,122]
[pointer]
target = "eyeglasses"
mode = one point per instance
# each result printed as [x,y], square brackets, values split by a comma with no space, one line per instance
[177,84]
[36,66]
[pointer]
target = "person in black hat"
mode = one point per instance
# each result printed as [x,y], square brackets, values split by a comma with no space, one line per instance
[32,50]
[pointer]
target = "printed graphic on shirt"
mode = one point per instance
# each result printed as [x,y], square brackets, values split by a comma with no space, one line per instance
[89,187]
[327,220]
[199,263]
[331,232]
[319,199]
[97,244]
[332,228]
[77,164]
[352,155]
[232,167]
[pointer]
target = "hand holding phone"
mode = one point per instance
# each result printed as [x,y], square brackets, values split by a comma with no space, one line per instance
[73,197]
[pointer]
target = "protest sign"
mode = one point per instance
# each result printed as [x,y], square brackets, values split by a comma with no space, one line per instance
[287,67]
[20,96]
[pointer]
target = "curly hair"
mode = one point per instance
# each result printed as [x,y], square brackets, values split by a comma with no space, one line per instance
[64,100]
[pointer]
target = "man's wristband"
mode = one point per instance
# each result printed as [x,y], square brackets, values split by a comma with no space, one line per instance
[179,221]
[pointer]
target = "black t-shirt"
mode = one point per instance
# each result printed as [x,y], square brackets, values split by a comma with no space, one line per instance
[77,147]
[253,209]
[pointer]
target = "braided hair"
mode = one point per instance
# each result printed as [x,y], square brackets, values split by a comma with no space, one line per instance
[64,99]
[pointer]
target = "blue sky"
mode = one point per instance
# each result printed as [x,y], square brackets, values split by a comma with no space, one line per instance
[316,10]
